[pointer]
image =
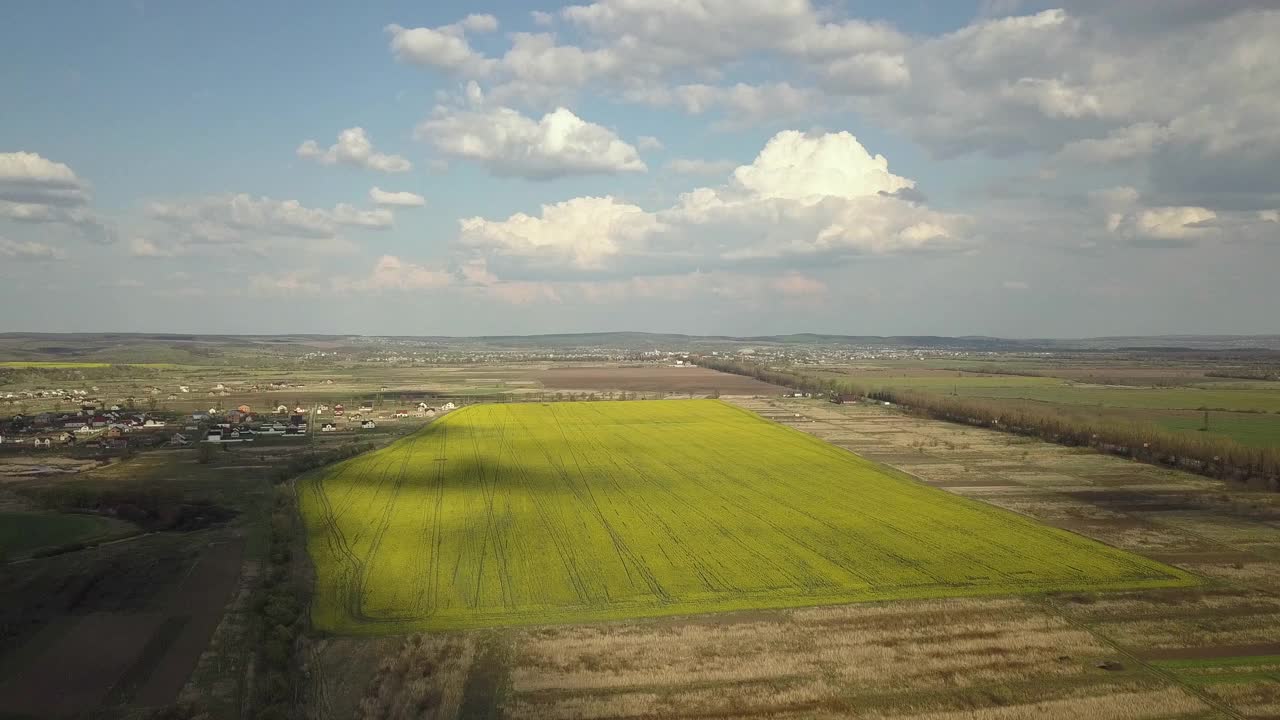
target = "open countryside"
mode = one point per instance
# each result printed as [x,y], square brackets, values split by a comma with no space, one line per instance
[532,513]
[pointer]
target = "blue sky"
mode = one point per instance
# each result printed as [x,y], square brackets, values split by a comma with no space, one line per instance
[1001,167]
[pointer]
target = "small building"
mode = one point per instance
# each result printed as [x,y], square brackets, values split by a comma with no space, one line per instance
[244,409]
[368,425]
[402,413]
[328,427]
[338,410]
[42,443]
[448,406]
[282,409]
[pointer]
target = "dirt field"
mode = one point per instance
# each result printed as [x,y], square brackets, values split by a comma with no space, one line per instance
[140,653]
[652,378]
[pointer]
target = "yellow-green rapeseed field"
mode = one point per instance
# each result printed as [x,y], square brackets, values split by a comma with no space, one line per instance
[565,512]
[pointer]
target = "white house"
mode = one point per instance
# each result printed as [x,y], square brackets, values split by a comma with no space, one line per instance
[282,409]
[184,388]
[153,423]
[42,442]
[448,406]
[85,430]
[328,427]
[368,425]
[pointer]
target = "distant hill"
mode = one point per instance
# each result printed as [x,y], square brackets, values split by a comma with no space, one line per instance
[219,349]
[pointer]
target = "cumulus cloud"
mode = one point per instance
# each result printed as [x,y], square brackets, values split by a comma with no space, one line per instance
[395,199]
[356,149]
[583,233]
[681,34]
[511,144]
[445,48]
[1129,218]
[648,142]
[805,198]
[14,250]
[34,189]
[29,179]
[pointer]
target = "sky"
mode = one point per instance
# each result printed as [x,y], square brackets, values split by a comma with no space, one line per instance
[997,167]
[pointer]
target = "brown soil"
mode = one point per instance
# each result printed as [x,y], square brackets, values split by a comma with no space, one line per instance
[695,380]
[200,602]
[77,670]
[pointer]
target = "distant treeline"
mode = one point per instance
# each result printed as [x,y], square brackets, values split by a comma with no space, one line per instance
[1209,455]
[1271,373]
[47,376]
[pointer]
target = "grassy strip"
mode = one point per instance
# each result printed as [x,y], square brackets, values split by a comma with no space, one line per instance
[1212,456]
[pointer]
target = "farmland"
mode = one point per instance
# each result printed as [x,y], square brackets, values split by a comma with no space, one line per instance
[534,513]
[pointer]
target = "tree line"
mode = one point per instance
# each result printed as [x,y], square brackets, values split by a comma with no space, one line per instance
[1209,455]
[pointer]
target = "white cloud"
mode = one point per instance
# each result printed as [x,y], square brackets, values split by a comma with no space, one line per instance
[392,273]
[34,189]
[354,148]
[698,166]
[819,198]
[681,34]
[511,144]
[1127,216]
[28,178]
[386,198]
[1172,223]
[582,233]
[741,100]
[798,166]
[479,23]
[256,224]
[1016,285]
[15,250]
[867,73]
[445,48]
[542,19]
[648,142]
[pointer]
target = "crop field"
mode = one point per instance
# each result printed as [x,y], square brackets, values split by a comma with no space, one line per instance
[534,513]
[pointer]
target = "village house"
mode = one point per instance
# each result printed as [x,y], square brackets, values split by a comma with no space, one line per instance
[43,443]
[368,425]
[328,427]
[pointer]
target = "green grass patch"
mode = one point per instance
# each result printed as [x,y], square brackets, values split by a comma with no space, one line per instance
[25,532]
[1254,430]
[1242,661]
[566,512]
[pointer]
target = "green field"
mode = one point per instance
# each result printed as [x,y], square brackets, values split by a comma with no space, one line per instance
[538,513]
[22,532]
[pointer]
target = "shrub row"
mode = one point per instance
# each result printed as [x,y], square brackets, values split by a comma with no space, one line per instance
[1210,455]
